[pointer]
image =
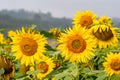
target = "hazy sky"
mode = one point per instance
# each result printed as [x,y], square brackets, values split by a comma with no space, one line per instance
[65,8]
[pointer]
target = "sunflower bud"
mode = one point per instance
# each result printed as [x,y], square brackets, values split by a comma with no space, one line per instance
[56,32]
[57,64]
[24,68]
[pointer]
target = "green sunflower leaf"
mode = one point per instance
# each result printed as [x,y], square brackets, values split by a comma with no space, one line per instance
[2,71]
[34,72]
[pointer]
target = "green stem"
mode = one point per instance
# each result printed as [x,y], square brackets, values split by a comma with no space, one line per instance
[109,78]
[77,71]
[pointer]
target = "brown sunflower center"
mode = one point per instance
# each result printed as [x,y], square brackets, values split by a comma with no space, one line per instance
[43,67]
[86,21]
[76,44]
[115,65]
[8,71]
[103,35]
[28,46]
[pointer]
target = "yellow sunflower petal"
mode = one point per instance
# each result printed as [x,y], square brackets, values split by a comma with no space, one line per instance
[104,35]
[28,45]
[112,64]
[75,46]
[84,19]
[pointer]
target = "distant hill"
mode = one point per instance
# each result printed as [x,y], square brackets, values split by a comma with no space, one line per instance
[116,22]
[11,19]
[14,19]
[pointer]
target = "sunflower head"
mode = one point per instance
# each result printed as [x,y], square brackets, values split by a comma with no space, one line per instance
[84,19]
[8,40]
[43,66]
[112,64]
[55,32]
[46,65]
[76,44]
[11,33]
[104,35]
[8,67]
[105,20]
[24,68]
[57,64]
[1,38]
[28,46]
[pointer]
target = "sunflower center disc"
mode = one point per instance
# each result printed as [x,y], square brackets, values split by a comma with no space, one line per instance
[104,35]
[115,65]
[43,67]
[86,21]
[28,46]
[76,44]
[8,71]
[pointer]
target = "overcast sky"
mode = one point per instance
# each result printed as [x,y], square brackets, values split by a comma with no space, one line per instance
[65,8]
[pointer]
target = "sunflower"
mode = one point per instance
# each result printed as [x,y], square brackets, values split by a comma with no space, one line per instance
[84,19]
[55,32]
[112,64]
[8,66]
[47,66]
[76,44]
[28,46]
[104,35]
[117,29]
[1,38]
[23,68]
[105,20]
[11,33]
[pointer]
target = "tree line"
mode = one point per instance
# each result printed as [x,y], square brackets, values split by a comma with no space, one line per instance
[14,19]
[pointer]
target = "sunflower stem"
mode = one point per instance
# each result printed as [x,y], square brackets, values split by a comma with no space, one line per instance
[109,78]
[77,71]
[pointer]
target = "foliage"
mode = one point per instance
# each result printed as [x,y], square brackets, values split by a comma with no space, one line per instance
[64,69]
[10,19]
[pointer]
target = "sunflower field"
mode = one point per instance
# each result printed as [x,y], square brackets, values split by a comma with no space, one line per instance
[87,50]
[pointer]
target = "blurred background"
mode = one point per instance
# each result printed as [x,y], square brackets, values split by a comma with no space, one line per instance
[52,13]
